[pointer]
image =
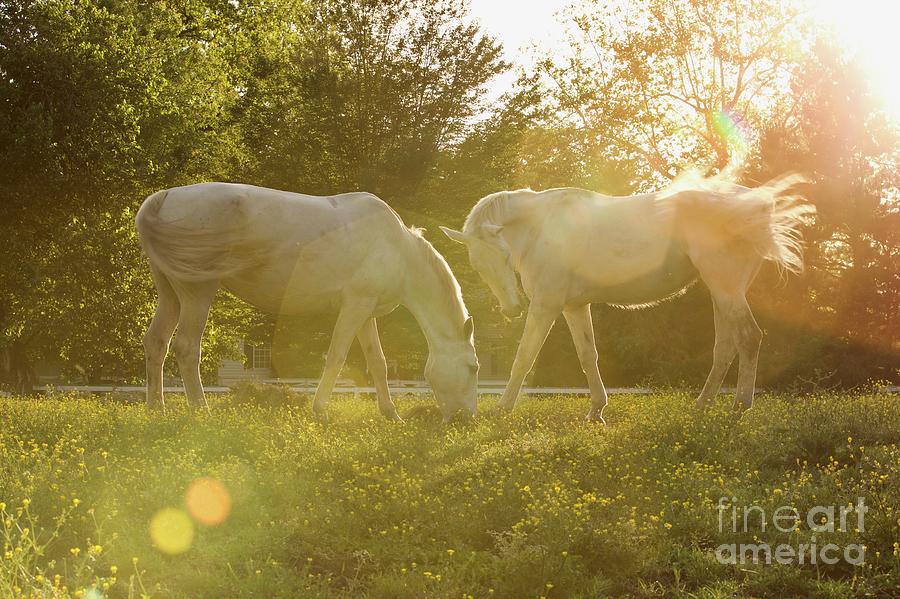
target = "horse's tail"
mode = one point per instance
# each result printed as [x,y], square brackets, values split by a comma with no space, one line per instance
[189,254]
[768,216]
[780,234]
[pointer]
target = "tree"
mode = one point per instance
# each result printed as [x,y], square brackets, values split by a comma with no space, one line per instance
[101,104]
[840,134]
[676,82]
[364,94]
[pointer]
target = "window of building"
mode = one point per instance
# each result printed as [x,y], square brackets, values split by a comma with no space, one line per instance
[261,358]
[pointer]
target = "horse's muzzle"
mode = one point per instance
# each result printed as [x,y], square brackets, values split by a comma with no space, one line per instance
[461,415]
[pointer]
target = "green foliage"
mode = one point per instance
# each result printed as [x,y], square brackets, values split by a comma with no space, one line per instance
[102,103]
[654,82]
[536,503]
[364,94]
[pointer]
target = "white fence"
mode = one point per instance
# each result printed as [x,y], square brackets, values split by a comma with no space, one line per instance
[397,387]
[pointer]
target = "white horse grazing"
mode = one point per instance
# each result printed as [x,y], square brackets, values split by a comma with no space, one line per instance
[574,247]
[288,253]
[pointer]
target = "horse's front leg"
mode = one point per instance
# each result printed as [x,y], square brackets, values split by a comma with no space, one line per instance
[582,329]
[377,365]
[349,321]
[537,325]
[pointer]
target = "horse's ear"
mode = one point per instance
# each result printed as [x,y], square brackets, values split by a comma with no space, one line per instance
[469,328]
[457,236]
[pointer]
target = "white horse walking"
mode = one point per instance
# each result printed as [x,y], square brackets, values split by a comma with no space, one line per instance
[288,253]
[573,247]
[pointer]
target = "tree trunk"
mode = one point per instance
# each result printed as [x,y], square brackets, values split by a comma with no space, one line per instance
[16,371]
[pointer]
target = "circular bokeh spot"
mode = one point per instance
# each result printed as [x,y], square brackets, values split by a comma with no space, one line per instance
[208,501]
[172,531]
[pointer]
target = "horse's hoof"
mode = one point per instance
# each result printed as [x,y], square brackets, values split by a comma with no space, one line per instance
[701,404]
[738,411]
[595,417]
[320,415]
[392,416]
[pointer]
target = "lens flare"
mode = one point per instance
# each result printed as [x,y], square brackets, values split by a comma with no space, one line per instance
[208,501]
[728,128]
[172,531]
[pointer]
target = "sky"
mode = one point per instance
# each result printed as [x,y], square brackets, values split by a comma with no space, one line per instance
[518,23]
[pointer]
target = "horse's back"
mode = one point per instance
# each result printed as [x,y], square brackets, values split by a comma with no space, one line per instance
[607,249]
[582,221]
[269,247]
[207,205]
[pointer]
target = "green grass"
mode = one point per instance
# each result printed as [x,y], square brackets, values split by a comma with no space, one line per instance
[533,504]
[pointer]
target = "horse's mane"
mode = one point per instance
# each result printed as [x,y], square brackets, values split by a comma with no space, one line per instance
[504,207]
[489,210]
[453,293]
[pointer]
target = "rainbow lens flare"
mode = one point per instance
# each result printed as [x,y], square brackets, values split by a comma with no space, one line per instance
[728,127]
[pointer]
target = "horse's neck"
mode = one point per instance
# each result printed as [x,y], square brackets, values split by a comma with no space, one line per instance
[520,206]
[520,215]
[430,298]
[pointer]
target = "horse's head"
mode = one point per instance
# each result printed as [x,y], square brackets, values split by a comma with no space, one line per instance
[491,258]
[452,373]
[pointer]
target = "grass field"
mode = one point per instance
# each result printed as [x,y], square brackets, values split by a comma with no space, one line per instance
[100,499]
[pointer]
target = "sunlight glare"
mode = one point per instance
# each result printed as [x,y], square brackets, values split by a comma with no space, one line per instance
[867,29]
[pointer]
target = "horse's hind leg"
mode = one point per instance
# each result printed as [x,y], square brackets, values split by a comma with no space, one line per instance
[582,329]
[157,337]
[723,355]
[196,300]
[377,365]
[728,271]
[749,339]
